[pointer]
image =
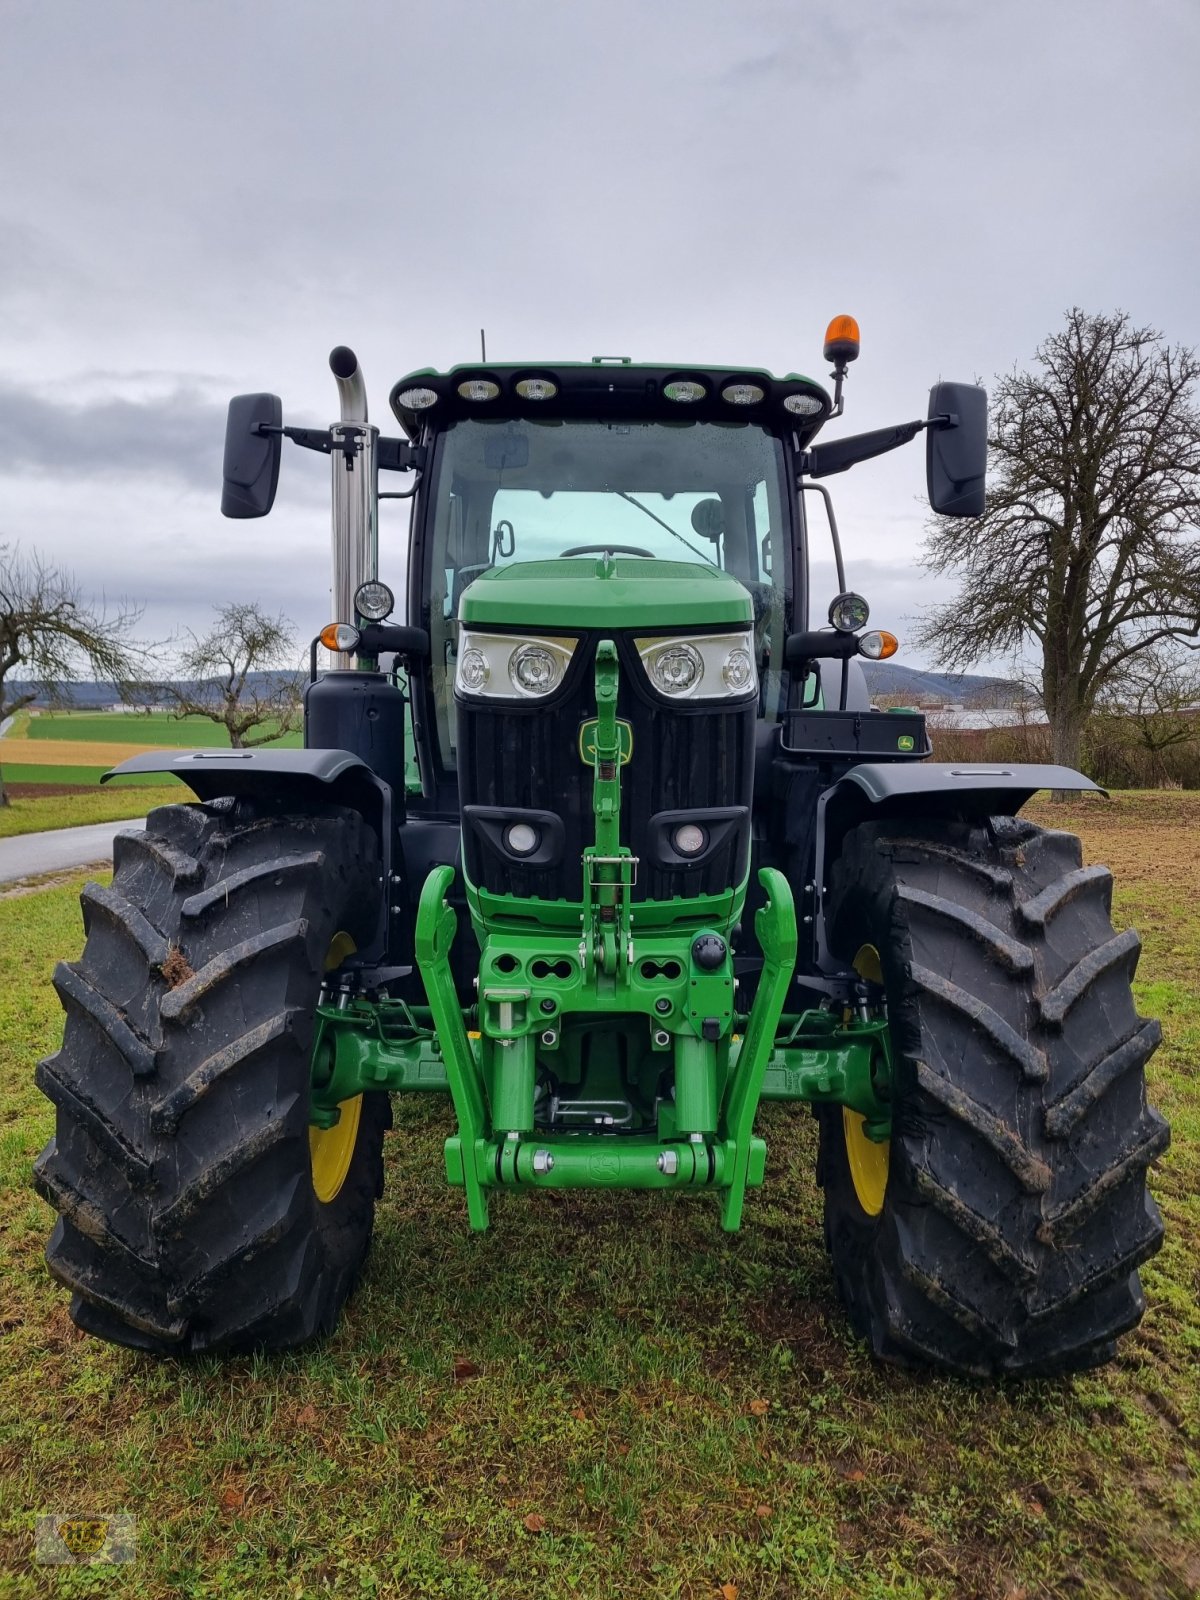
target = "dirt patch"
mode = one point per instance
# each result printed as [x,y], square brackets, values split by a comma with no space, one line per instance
[46,791]
[67,752]
[52,880]
[176,969]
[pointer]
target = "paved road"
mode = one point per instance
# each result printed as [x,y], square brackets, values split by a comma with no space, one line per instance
[30,854]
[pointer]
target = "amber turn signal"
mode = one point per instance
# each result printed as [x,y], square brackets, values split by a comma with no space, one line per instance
[339,637]
[841,340]
[878,646]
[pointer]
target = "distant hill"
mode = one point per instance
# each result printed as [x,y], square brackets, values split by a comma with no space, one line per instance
[89,696]
[941,688]
[883,678]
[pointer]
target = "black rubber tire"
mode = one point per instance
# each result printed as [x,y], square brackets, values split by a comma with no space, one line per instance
[180,1164]
[1016,1211]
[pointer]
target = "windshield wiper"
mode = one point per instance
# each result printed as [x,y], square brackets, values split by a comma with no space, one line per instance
[674,532]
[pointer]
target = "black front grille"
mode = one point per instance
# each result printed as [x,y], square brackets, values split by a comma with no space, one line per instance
[685,758]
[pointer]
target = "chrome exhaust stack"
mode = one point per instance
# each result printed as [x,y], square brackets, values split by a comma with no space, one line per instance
[355,493]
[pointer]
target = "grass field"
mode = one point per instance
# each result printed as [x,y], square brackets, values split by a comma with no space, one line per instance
[113,804]
[141,730]
[71,749]
[605,1396]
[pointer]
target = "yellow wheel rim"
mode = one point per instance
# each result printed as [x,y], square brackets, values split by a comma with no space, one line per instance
[331,1150]
[868,1161]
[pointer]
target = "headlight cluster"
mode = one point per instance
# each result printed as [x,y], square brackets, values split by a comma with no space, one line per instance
[504,666]
[710,666]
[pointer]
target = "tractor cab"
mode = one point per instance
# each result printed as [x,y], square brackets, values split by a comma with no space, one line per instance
[656,468]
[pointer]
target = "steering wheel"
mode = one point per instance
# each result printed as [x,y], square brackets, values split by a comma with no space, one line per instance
[610,550]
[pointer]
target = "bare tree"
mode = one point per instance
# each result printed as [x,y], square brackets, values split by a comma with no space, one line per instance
[50,634]
[1088,548]
[241,673]
[1158,701]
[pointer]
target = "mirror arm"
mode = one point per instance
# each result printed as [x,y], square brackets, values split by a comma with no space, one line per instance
[837,455]
[397,455]
[317,439]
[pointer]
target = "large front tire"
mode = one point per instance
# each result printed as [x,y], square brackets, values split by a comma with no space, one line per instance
[194,1211]
[1002,1229]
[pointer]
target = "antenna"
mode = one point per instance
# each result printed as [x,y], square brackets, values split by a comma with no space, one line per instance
[483,347]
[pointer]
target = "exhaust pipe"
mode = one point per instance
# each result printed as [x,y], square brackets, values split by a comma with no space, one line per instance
[355,493]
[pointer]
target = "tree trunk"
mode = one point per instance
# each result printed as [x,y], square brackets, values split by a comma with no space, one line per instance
[1066,739]
[4,800]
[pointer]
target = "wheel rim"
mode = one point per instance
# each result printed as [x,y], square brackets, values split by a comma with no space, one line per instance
[869,1161]
[331,1150]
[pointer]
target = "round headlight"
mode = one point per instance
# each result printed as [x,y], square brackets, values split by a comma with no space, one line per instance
[685,390]
[849,612]
[534,669]
[478,389]
[803,405]
[521,839]
[738,670]
[536,389]
[473,670]
[374,600]
[743,394]
[419,399]
[677,669]
[689,839]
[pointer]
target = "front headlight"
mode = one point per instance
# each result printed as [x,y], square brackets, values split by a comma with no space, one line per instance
[504,666]
[711,666]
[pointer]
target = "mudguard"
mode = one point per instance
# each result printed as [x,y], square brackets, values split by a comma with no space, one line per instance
[923,789]
[212,773]
[337,777]
[1012,782]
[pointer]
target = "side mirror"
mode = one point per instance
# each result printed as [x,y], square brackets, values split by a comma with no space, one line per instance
[252,456]
[708,519]
[956,453]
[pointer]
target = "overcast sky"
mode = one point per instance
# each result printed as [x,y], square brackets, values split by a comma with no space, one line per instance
[200,200]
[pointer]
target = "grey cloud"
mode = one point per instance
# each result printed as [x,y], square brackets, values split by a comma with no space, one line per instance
[178,436]
[231,190]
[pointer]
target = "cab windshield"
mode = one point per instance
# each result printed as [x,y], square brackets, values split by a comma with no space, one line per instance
[703,492]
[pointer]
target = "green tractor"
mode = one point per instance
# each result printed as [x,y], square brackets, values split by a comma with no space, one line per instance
[607,842]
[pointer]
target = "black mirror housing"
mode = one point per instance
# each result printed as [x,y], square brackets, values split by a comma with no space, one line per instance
[251,455]
[956,452]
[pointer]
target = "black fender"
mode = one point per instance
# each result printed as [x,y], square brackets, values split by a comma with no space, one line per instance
[288,778]
[923,789]
[213,773]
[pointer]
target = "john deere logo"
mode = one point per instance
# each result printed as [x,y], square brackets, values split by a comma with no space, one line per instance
[905,742]
[83,1536]
[587,742]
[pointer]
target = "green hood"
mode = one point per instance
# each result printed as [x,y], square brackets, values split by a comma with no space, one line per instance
[608,593]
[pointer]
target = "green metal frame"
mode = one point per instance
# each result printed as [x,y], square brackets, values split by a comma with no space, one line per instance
[543,988]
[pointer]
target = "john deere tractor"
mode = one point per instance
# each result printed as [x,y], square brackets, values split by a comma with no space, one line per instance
[605,841]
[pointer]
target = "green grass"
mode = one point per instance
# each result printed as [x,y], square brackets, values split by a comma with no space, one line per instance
[144,729]
[111,804]
[656,1409]
[82,777]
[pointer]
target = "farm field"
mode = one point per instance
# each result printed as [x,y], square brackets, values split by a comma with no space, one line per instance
[144,731]
[64,751]
[605,1396]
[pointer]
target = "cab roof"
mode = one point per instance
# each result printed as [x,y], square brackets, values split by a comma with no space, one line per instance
[609,387]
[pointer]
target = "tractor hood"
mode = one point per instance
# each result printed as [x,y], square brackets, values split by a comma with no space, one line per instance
[606,592]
